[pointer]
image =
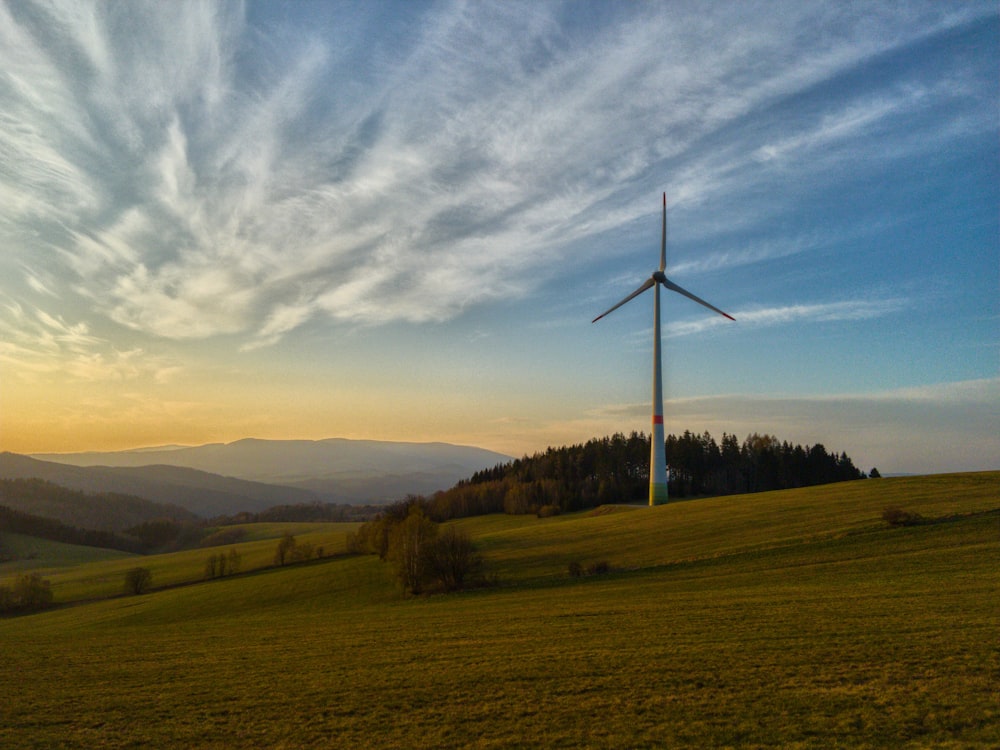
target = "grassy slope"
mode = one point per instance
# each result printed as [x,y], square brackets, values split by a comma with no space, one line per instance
[32,553]
[792,619]
[105,576]
[721,526]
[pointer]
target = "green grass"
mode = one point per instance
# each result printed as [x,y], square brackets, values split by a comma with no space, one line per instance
[105,577]
[303,530]
[793,619]
[31,553]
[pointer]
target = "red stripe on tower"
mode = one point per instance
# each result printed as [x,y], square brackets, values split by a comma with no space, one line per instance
[657,419]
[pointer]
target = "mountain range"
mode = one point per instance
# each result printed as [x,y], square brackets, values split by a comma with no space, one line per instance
[253,474]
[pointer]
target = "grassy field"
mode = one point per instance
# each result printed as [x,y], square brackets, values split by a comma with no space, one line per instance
[31,553]
[104,577]
[795,619]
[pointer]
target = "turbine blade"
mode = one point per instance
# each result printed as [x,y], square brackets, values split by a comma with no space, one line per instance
[663,237]
[680,290]
[645,285]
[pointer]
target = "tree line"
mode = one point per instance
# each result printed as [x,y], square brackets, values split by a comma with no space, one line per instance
[16,522]
[165,534]
[615,469]
[300,512]
[160,535]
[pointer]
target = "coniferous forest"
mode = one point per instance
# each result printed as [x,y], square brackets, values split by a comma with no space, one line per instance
[615,469]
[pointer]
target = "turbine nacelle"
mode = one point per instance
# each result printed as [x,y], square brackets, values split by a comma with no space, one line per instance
[659,277]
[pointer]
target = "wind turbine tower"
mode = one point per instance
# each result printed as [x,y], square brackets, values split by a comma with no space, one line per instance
[657,451]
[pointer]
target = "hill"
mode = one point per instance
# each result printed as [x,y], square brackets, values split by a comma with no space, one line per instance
[787,619]
[188,491]
[27,492]
[615,469]
[42,527]
[337,469]
[26,552]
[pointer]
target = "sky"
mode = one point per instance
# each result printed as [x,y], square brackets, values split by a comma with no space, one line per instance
[396,221]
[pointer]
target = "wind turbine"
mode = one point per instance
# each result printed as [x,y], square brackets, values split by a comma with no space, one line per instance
[657,452]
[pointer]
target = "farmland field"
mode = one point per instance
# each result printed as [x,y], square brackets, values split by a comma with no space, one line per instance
[32,553]
[105,576]
[790,619]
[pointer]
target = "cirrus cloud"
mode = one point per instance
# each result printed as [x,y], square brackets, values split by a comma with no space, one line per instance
[203,179]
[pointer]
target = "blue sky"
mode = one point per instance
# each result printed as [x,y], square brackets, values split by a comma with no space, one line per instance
[396,221]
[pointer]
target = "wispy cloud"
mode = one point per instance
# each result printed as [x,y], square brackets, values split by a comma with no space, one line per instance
[40,346]
[750,253]
[826,312]
[203,177]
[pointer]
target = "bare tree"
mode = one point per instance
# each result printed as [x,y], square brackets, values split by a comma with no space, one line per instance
[138,580]
[409,544]
[286,549]
[453,559]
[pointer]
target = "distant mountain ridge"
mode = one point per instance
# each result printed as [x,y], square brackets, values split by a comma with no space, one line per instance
[297,460]
[331,470]
[197,492]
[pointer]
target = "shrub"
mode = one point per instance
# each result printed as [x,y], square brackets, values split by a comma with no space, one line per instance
[547,511]
[29,592]
[32,591]
[599,568]
[138,580]
[899,517]
[212,567]
[219,564]
[453,561]
[425,558]
[576,569]
[409,547]
[357,543]
[286,548]
[302,552]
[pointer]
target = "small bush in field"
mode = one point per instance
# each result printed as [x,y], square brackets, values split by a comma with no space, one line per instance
[29,593]
[899,517]
[138,580]
[594,569]
[220,564]
[599,568]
